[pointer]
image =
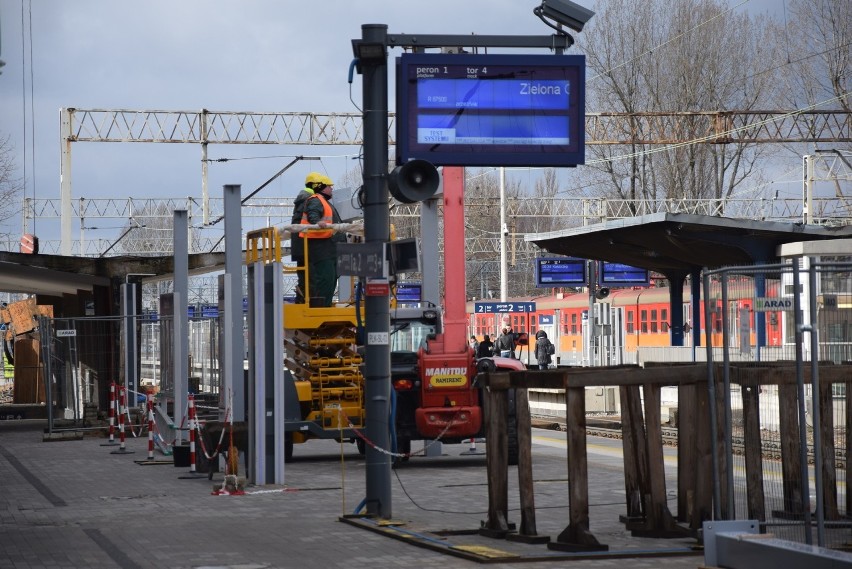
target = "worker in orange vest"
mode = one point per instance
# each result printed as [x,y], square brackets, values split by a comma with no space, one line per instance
[322,243]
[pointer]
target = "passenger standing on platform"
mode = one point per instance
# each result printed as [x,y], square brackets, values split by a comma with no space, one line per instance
[505,344]
[486,347]
[544,348]
[474,345]
[322,243]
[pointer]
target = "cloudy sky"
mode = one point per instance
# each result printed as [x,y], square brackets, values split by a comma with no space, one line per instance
[251,55]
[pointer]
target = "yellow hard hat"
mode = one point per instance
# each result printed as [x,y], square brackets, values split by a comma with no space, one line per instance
[314,178]
[326,180]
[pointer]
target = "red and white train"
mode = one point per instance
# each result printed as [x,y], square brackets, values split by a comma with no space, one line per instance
[627,319]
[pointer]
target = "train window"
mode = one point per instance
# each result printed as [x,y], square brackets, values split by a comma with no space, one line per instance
[643,321]
[664,316]
[653,321]
[574,323]
[631,325]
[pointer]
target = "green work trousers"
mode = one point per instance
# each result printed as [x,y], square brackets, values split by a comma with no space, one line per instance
[323,281]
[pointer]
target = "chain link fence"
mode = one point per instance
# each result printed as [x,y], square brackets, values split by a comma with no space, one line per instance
[780,354]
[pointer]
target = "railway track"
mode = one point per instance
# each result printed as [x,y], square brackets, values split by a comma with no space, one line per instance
[598,428]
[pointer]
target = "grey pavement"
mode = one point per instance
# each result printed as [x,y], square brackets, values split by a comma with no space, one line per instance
[74,504]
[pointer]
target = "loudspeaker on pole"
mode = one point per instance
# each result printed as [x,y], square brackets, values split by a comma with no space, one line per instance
[414,181]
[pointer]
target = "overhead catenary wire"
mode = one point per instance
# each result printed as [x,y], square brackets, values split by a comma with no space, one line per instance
[714,136]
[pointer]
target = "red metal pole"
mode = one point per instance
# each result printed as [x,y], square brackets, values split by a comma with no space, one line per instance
[455,317]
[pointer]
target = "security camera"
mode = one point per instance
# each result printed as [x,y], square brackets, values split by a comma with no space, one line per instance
[564,12]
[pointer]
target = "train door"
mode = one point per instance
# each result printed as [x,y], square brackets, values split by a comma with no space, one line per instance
[547,322]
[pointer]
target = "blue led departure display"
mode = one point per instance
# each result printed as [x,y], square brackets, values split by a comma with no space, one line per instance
[619,274]
[559,272]
[491,110]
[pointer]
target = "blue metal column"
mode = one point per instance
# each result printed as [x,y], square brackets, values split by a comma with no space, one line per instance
[697,318]
[676,278]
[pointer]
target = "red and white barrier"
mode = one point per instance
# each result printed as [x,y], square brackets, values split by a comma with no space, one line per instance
[122,406]
[111,412]
[192,425]
[150,426]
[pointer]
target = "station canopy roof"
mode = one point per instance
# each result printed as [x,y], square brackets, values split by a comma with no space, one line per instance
[670,243]
[56,275]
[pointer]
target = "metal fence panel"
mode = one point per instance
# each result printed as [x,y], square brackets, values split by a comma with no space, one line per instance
[779,356]
[81,356]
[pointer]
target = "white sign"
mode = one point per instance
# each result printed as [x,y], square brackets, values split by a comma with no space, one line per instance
[377,338]
[772,304]
[65,333]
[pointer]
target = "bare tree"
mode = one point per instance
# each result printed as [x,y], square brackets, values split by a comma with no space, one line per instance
[818,37]
[663,56]
[11,188]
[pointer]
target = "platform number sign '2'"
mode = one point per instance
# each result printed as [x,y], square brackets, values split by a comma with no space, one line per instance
[503,307]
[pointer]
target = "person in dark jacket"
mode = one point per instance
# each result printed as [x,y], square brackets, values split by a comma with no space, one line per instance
[544,348]
[486,347]
[505,344]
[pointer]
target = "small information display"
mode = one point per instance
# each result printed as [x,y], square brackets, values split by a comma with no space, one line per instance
[361,259]
[408,293]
